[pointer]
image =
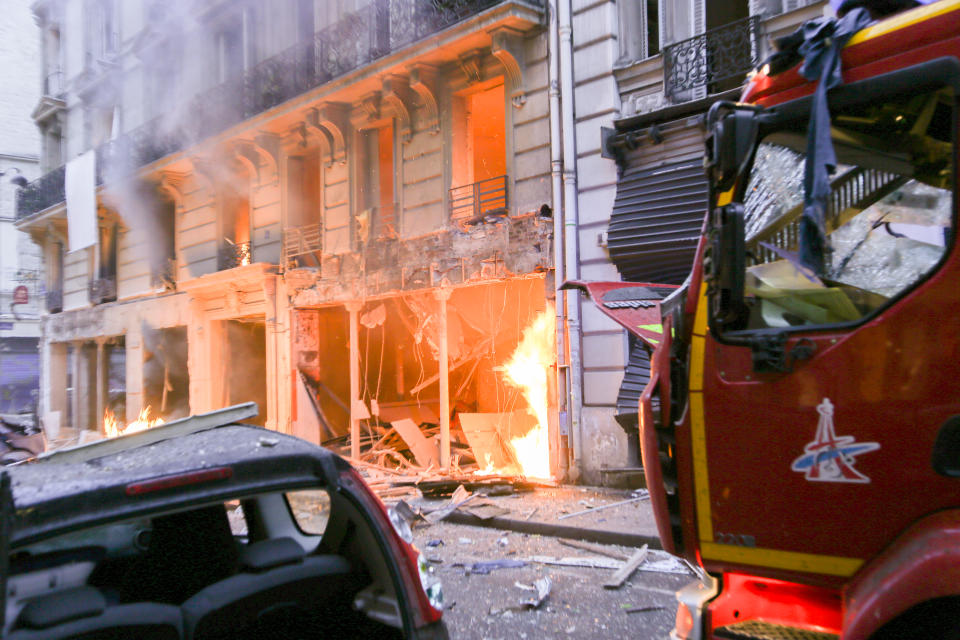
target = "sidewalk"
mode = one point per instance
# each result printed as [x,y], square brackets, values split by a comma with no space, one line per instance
[539,512]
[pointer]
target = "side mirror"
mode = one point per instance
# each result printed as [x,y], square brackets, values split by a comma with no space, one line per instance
[724,267]
[732,134]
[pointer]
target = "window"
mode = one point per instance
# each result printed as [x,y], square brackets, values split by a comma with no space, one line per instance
[375,218]
[310,509]
[235,228]
[162,83]
[639,29]
[102,35]
[479,153]
[889,217]
[774,7]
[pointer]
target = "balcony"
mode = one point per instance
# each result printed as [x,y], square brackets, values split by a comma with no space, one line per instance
[54,301]
[103,290]
[303,246]
[44,192]
[355,41]
[715,60]
[470,203]
[234,254]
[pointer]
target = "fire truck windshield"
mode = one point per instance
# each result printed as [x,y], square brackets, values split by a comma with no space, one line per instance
[889,219]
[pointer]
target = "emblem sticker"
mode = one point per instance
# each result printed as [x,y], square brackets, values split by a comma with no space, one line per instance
[831,458]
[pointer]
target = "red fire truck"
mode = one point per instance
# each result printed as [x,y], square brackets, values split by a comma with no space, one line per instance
[800,430]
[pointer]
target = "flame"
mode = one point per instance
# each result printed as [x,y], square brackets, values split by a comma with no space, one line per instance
[113,428]
[527,370]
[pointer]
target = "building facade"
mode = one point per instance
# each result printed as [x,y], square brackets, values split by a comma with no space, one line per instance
[339,210]
[21,282]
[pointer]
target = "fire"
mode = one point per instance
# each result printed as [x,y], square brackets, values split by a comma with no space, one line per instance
[113,428]
[527,370]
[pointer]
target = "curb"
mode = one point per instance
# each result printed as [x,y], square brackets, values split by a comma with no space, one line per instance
[557,530]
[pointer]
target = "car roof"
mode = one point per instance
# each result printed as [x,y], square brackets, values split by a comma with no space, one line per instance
[88,485]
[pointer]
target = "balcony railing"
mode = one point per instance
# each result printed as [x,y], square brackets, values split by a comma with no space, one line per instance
[356,40]
[303,245]
[45,191]
[103,290]
[234,254]
[721,55]
[470,203]
[54,301]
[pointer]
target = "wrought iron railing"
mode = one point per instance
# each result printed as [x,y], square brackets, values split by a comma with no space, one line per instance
[54,300]
[302,242]
[722,54]
[234,254]
[473,201]
[103,290]
[44,192]
[356,40]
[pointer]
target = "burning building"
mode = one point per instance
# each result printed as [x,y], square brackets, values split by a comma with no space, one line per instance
[343,213]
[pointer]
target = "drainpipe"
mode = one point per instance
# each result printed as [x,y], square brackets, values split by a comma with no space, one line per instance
[556,179]
[571,225]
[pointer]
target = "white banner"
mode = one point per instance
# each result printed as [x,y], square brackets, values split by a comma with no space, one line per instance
[80,185]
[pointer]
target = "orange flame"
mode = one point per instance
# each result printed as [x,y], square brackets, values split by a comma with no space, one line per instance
[113,428]
[527,370]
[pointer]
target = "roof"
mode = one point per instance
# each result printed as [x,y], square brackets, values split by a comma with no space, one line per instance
[59,494]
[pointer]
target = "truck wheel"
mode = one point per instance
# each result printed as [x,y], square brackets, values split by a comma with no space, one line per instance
[937,619]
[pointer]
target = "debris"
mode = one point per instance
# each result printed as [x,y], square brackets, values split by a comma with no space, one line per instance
[488,485]
[465,541]
[643,494]
[617,579]
[459,498]
[542,589]
[424,451]
[593,548]
[644,609]
[592,563]
[486,510]
[600,508]
[503,541]
[407,513]
[485,567]
[265,441]
[437,542]
[532,511]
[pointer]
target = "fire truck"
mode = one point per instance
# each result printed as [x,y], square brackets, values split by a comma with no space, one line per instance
[800,429]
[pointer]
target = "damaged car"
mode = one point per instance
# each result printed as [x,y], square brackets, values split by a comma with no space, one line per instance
[206,528]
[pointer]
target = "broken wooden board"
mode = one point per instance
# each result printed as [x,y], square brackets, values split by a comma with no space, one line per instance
[424,450]
[624,572]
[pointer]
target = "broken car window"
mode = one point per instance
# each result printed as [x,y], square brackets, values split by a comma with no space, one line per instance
[889,214]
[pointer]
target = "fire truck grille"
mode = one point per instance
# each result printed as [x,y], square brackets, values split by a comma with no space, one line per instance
[759,630]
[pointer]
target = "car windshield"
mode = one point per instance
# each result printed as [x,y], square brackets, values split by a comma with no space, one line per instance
[889,215]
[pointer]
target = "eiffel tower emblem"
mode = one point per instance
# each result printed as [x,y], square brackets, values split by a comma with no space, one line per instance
[831,458]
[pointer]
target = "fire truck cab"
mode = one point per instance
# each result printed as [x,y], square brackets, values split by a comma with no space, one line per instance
[800,430]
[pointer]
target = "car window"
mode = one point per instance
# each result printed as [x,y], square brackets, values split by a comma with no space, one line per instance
[238,524]
[310,509]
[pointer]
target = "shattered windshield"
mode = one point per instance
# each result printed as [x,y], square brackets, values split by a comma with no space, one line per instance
[889,215]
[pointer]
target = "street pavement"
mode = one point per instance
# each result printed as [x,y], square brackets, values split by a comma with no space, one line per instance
[482,606]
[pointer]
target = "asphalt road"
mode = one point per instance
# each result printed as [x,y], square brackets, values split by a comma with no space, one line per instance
[488,606]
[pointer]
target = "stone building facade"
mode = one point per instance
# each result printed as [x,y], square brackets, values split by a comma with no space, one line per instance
[20,265]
